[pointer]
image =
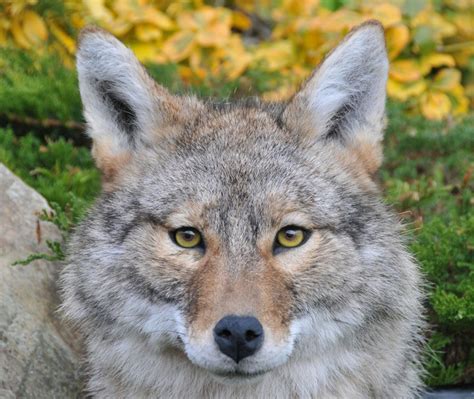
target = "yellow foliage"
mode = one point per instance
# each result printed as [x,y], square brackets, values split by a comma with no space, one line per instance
[430,51]
[397,37]
[274,56]
[388,14]
[435,105]
[405,71]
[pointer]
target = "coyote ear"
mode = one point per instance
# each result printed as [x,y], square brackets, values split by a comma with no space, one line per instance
[344,99]
[123,106]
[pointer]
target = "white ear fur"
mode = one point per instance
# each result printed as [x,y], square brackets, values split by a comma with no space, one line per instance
[121,102]
[346,94]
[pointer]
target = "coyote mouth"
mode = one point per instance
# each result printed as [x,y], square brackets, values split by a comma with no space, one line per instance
[239,375]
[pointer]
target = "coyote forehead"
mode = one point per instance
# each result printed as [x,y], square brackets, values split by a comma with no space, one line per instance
[242,249]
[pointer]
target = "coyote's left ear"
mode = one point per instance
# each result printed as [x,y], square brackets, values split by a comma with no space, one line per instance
[344,99]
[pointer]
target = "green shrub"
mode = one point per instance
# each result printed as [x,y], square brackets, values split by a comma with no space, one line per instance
[39,88]
[428,177]
[65,175]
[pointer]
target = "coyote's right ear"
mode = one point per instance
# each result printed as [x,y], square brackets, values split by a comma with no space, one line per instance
[123,106]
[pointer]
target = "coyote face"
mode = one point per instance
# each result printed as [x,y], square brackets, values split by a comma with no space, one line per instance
[242,242]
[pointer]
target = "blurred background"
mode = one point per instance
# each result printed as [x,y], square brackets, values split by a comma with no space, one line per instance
[267,48]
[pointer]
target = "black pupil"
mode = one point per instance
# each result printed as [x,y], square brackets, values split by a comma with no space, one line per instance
[188,235]
[290,234]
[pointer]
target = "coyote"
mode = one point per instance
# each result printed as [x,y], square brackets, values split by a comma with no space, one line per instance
[242,249]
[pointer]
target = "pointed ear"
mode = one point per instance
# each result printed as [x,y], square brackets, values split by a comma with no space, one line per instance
[344,99]
[123,106]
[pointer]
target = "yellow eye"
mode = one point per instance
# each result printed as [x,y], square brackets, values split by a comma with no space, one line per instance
[187,237]
[290,236]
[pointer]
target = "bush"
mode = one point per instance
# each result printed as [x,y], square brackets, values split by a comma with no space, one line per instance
[65,175]
[428,177]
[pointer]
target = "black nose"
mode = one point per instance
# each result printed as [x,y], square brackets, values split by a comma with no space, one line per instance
[238,337]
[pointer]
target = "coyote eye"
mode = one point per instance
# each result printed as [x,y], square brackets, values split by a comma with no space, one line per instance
[290,237]
[187,237]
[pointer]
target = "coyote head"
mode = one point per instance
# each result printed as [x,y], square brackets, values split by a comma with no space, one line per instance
[239,235]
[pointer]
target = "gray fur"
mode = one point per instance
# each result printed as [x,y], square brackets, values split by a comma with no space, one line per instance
[354,310]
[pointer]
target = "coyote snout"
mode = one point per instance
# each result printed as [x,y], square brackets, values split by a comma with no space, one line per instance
[238,336]
[239,315]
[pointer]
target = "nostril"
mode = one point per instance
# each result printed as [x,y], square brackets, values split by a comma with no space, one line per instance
[224,333]
[250,335]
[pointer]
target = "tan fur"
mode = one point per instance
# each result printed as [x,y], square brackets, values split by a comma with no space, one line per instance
[218,291]
[109,163]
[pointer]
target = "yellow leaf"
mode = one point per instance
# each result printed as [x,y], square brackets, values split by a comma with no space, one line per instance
[442,28]
[148,52]
[147,32]
[459,4]
[98,10]
[217,31]
[250,5]
[158,18]
[294,8]
[405,71]
[387,14]
[203,18]
[19,35]
[66,58]
[241,21]
[119,27]
[435,60]
[315,46]
[186,73]
[199,72]
[196,60]
[282,93]
[447,79]
[216,36]
[34,27]
[463,56]
[129,10]
[62,37]
[233,58]
[274,56]
[404,91]
[3,37]
[77,21]
[397,37]
[435,105]
[179,46]
[461,102]
[340,21]
[187,21]
[464,23]
[16,7]
[469,89]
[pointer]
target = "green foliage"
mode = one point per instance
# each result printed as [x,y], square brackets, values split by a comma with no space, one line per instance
[428,176]
[65,175]
[55,248]
[37,87]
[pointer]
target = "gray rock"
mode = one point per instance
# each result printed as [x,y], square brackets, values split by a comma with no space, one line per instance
[39,357]
[451,393]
